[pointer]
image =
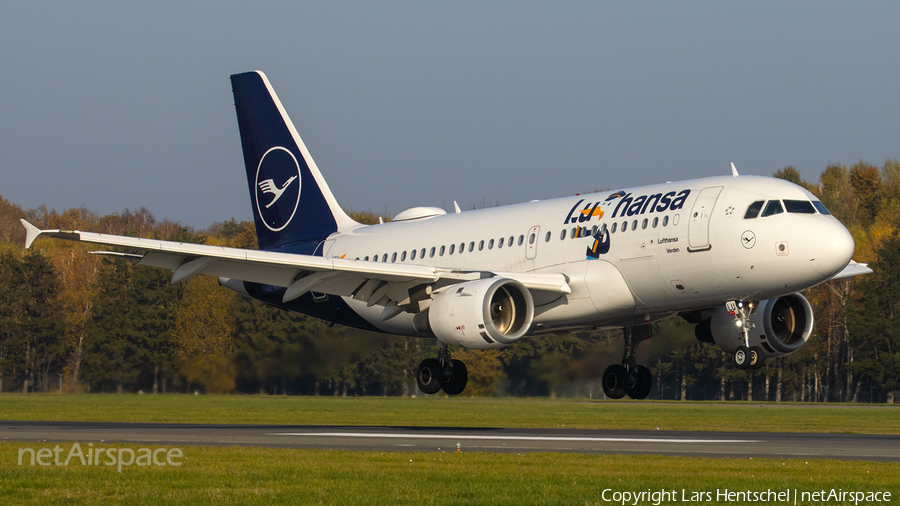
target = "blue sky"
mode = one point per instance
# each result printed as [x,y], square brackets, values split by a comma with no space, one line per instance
[119,104]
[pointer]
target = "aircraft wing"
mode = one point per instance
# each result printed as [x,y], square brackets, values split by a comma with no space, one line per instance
[374,282]
[853,269]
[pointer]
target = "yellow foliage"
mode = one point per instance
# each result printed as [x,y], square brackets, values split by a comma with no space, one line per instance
[216,374]
[204,323]
[485,371]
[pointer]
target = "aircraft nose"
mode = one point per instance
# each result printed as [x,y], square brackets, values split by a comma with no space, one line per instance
[829,247]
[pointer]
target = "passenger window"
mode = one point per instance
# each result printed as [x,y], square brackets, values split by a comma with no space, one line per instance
[500,244]
[480,245]
[510,241]
[572,234]
[403,256]
[614,227]
[367,258]
[452,249]
[491,244]
[594,230]
[431,253]
[820,207]
[394,257]
[753,210]
[624,226]
[603,228]
[799,207]
[546,238]
[655,222]
[521,239]
[422,253]
[772,208]
[531,239]
[562,235]
[644,224]
[634,225]
[665,220]
[442,251]
[384,257]
[471,246]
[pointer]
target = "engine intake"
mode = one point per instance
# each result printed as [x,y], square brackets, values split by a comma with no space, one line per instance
[483,314]
[780,326]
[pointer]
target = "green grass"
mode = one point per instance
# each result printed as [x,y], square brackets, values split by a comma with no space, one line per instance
[460,412]
[211,475]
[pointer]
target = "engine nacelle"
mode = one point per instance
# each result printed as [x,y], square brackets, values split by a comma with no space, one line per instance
[484,314]
[780,326]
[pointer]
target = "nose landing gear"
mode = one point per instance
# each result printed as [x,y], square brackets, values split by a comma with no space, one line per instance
[629,377]
[444,373]
[745,356]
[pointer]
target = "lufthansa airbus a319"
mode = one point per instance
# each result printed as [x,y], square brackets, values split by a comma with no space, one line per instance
[729,253]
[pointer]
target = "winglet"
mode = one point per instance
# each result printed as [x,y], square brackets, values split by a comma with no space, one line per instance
[734,171]
[456,207]
[31,233]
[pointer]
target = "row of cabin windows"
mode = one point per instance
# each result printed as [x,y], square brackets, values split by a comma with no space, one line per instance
[452,249]
[577,232]
[774,207]
[574,233]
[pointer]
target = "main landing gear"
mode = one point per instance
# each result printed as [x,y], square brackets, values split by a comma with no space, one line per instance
[439,373]
[628,377]
[745,356]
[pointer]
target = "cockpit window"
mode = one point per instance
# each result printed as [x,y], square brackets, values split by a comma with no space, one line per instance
[799,206]
[753,210]
[773,207]
[820,207]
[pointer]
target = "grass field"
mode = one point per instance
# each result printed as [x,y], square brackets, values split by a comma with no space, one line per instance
[455,412]
[240,475]
[251,475]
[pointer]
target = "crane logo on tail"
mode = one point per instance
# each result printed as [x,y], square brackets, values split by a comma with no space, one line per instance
[277,164]
[269,186]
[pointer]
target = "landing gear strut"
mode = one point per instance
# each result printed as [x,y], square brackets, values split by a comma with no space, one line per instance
[628,377]
[745,356]
[442,373]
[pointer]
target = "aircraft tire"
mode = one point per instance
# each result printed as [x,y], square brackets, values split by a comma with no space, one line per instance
[615,381]
[429,376]
[742,357]
[756,358]
[644,383]
[457,381]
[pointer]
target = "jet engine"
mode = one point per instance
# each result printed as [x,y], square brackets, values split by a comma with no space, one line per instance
[779,327]
[484,314]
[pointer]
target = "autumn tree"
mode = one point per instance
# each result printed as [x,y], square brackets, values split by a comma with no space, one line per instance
[202,338]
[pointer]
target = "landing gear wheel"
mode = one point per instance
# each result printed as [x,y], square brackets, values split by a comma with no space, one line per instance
[615,381]
[756,357]
[429,376]
[742,357]
[459,376]
[643,383]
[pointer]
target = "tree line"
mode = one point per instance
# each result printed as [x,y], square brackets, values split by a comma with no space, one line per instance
[72,322]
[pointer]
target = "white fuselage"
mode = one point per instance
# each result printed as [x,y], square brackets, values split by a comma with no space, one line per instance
[663,255]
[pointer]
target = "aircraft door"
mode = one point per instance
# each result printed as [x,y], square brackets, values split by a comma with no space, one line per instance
[531,242]
[698,228]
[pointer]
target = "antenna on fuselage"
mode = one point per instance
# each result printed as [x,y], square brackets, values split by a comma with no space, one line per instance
[456,207]
[734,170]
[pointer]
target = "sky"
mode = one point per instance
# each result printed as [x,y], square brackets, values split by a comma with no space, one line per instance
[115,105]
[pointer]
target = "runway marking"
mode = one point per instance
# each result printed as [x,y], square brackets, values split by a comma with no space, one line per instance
[511,438]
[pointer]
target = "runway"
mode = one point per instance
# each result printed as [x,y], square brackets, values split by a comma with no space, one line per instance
[436,439]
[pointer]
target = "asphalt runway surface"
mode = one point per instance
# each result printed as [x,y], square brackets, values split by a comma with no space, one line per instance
[444,439]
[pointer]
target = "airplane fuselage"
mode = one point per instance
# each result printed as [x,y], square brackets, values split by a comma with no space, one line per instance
[671,247]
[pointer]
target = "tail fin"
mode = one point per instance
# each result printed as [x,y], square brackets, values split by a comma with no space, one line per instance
[292,204]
